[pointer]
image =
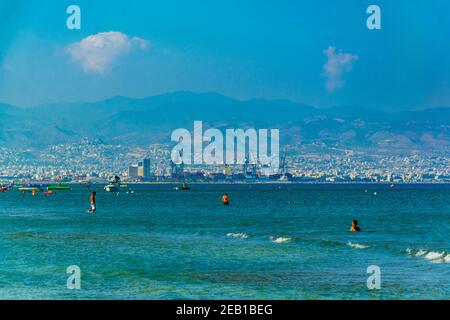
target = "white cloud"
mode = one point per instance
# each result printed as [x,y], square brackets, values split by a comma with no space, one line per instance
[97,53]
[337,64]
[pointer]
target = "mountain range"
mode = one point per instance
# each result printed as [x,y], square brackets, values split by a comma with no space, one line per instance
[139,122]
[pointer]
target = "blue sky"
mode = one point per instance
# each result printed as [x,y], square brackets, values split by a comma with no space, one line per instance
[242,49]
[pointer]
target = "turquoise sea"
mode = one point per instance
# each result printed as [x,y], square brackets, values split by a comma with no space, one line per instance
[282,241]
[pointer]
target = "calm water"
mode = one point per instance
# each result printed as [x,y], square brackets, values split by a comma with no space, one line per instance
[272,242]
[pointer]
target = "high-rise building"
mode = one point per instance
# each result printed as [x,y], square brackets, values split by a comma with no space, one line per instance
[146,172]
[133,171]
[140,169]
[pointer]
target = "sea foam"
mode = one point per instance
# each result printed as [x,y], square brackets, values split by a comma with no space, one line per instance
[435,255]
[421,253]
[357,245]
[279,239]
[237,235]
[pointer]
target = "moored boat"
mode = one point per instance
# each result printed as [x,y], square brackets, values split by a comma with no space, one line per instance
[114,185]
[183,187]
[58,187]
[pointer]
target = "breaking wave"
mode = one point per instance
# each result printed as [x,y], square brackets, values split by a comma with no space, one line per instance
[432,256]
[279,239]
[357,245]
[237,235]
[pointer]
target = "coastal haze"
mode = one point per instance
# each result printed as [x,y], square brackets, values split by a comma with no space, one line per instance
[138,122]
[106,137]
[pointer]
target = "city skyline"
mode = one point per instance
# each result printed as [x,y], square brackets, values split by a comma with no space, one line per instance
[316,71]
[93,161]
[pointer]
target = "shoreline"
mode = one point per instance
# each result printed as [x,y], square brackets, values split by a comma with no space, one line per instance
[239,183]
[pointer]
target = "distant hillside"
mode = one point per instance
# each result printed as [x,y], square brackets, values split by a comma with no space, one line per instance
[152,119]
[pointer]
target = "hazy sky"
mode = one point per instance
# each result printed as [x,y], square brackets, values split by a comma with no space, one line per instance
[315,52]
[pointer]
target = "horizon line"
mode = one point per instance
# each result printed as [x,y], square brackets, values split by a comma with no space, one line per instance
[217,94]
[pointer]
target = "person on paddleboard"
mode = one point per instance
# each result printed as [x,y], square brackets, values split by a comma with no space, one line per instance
[92,201]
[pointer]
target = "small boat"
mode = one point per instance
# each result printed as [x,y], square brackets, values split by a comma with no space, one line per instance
[111,187]
[30,189]
[58,187]
[36,185]
[114,185]
[183,187]
[33,190]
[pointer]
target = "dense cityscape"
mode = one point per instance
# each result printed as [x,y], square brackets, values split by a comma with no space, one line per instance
[91,160]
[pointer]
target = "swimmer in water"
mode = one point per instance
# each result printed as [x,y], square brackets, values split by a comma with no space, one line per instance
[354,227]
[225,199]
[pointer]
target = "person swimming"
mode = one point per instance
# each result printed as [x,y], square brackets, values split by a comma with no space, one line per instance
[226,199]
[354,227]
[92,201]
